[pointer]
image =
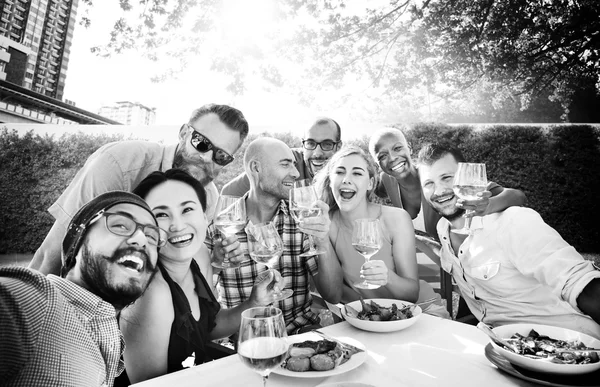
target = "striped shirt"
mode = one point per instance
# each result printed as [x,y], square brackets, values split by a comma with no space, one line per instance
[53,332]
[235,285]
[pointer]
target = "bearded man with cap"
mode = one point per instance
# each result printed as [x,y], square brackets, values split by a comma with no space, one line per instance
[63,330]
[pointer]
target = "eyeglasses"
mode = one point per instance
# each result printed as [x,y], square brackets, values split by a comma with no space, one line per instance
[123,225]
[326,145]
[203,145]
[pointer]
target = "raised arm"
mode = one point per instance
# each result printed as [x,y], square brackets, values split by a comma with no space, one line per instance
[47,258]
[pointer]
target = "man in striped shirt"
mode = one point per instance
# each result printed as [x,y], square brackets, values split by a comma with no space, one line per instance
[269,164]
[62,331]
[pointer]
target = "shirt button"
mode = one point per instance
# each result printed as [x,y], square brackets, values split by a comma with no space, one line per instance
[485,276]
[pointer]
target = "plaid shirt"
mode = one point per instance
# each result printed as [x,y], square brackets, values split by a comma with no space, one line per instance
[235,285]
[53,332]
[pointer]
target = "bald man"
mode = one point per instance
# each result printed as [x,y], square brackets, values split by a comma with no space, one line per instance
[269,165]
[320,142]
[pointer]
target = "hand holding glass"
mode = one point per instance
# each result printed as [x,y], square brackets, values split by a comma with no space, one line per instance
[302,198]
[230,217]
[366,239]
[265,246]
[262,343]
[469,180]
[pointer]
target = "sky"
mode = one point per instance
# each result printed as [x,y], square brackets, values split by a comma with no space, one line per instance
[93,81]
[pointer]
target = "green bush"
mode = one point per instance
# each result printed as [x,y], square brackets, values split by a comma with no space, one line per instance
[557,168]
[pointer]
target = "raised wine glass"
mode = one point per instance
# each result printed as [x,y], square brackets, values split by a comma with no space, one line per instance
[265,247]
[470,179]
[366,239]
[262,343]
[230,217]
[302,198]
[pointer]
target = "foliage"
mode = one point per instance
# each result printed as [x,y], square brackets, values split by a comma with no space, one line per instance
[555,166]
[457,61]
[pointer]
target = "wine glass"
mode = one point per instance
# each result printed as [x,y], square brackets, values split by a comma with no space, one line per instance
[470,178]
[262,343]
[230,217]
[265,246]
[302,197]
[366,239]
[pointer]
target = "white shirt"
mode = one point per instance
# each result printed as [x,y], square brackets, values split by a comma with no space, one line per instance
[516,268]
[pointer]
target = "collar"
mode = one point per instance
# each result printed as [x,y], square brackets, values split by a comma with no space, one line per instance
[444,226]
[87,302]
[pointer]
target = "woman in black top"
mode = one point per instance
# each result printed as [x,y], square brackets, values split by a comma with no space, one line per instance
[179,313]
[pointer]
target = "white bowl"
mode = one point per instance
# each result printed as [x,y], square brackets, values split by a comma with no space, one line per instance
[539,365]
[382,326]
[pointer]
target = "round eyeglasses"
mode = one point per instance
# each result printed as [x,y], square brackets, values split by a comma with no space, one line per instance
[124,225]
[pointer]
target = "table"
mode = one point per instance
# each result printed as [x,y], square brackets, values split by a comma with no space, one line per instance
[432,352]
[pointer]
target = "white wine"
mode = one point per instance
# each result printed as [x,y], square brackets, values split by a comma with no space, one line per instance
[266,258]
[301,213]
[229,227]
[468,192]
[367,250]
[262,354]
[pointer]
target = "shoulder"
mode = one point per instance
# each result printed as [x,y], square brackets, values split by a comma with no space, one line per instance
[394,214]
[152,307]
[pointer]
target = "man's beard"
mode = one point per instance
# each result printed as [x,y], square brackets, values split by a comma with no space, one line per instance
[451,216]
[94,274]
[199,170]
[455,215]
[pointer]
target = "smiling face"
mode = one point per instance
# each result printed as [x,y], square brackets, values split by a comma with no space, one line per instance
[178,211]
[315,159]
[117,268]
[350,182]
[277,171]
[201,165]
[436,182]
[393,154]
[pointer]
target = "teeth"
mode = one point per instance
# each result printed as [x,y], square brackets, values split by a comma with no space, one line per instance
[181,238]
[346,190]
[318,163]
[444,198]
[137,262]
[399,167]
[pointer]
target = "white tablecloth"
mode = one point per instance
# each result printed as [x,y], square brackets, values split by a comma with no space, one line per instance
[432,352]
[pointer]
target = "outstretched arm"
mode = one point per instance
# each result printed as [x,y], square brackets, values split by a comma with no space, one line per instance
[495,199]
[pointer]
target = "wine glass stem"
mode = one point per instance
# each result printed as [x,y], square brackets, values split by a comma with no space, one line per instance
[468,218]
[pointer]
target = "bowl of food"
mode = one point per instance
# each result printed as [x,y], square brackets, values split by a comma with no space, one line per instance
[381,315]
[549,349]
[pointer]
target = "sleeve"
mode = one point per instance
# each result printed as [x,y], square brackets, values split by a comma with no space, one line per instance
[237,187]
[211,234]
[101,173]
[494,188]
[212,196]
[537,250]
[21,316]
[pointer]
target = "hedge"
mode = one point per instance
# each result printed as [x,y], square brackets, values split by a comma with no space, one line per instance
[555,166]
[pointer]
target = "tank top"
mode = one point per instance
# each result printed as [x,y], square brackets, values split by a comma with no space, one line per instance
[188,335]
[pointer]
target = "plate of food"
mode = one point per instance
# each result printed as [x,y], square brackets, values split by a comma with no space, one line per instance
[311,356]
[381,315]
[549,349]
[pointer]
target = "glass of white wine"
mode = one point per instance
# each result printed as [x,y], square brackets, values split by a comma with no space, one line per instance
[469,180]
[230,217]
[302,198]
[262,343]
[265,247]
[366,239]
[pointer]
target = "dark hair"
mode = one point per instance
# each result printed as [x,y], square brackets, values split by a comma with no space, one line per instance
[325,120]
[230,116]
[432,152]
[156,178]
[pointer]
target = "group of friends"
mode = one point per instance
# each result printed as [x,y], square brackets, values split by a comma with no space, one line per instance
[122,290]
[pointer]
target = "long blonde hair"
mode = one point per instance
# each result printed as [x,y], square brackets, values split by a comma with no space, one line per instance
[323,179]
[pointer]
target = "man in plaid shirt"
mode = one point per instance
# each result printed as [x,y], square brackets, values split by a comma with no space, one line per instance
[62,331]
[269,164]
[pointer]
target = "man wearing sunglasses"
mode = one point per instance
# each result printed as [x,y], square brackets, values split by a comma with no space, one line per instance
[320,142]
[206,145]
[63,330]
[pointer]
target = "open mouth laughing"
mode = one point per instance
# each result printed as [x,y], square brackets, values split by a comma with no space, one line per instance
[347,194]
[132,262]
[181,240]
[318,163]
[399,167]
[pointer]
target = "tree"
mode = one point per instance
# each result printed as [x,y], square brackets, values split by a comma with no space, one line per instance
[427,55]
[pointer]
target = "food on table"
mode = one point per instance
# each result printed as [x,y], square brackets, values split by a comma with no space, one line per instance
[546,347]
[375,312]
[321,355]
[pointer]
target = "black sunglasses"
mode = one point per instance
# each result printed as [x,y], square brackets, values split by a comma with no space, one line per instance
[203,145]
[326,145]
